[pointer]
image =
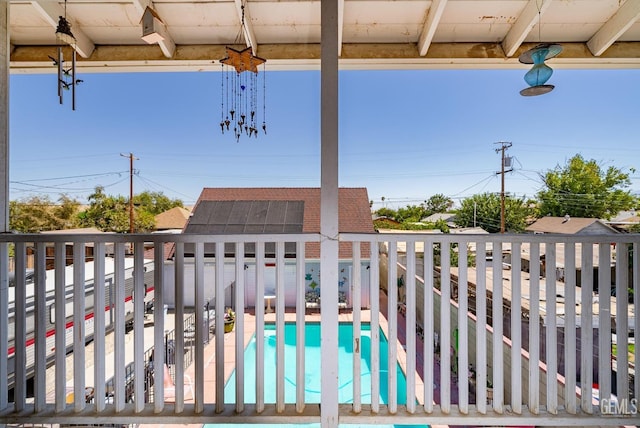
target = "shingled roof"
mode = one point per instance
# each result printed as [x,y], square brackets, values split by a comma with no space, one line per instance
[570,225]
[212,216]
[175,218]
[354,214]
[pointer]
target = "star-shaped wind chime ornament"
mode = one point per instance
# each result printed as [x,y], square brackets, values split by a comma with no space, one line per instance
[240,93]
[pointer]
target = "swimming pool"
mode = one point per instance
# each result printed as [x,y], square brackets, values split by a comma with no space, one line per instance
[312,369]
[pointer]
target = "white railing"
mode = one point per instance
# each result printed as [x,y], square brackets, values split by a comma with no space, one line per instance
[489,336]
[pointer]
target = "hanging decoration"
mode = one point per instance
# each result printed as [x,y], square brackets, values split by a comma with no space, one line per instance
[240,91]
[540,73]
[66,76]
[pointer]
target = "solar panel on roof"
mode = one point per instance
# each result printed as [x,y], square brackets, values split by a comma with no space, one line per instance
[239,212]
[220,213]
[258,212]
[248,217]
[276,213]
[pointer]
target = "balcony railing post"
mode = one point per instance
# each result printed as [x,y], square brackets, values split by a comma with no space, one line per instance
[20,321]
[79,327]
[570,359]
[604,321]
[428,326]
[622,322]
[99,327]
[4,310]
[40,327]
[498,331]
[586,336]
[356,289]
[392,322]
[119,327]
[60,326]
[159,327]
[551,336]
[300,325]
[239,321]
[463,335]
[447,357]
[481,327]
[516,328]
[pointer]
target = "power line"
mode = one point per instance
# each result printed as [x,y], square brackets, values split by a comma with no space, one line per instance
[162,187]
[71,176]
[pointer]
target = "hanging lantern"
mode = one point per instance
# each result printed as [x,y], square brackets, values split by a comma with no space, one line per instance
[540,73]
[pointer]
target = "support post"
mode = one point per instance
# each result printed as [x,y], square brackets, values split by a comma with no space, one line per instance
[329,212]
[5,53]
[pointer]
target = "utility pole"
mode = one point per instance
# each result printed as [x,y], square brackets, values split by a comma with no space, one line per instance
[131,158]
[503,147]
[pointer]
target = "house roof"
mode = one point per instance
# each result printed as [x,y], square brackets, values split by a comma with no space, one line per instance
[354,214]
[175,218]
[76,231]
[469,231]
[624,216]
[446,217]
[566,225]
[279,210]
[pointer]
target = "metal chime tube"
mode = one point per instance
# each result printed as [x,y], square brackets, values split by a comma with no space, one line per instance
[60,71]
[73,80]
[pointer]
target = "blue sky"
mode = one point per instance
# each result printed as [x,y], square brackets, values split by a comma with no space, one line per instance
[404,135]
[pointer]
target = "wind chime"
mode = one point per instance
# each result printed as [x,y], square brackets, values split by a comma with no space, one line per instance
[239,91]
[540,73]
[66,76]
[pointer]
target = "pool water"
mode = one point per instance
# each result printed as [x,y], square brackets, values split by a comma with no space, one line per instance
[312,369]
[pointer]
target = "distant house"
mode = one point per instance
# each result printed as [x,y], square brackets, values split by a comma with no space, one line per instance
[624,221]
[448,218]
[173,219]
[384,222]
[224,211]
[571,226]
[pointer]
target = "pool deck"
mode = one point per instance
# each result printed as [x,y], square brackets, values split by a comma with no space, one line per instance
[344,316]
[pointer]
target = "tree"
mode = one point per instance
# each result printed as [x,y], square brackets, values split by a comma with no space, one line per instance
[483,210]
[584,189]
[39,213]
[155,202]
[438,203]
[387,212]
[410,213]
[111,213]
[107,213]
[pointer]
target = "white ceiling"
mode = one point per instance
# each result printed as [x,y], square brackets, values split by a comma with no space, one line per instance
[373,33]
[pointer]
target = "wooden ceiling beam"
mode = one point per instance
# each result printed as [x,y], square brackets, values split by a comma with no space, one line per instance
[34,59]
[430,25]
[529,17]
[615,27]
[51,12]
